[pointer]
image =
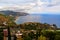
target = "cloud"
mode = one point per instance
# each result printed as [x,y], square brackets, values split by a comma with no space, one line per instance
[18,2]
[52,7]
[31,6]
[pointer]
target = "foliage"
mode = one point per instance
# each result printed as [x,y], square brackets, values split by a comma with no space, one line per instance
[1,34]
[57,37]
[49,34]
[6,20]
[35,26]
[42,37]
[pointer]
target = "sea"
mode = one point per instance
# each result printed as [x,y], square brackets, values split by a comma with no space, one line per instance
[42,18]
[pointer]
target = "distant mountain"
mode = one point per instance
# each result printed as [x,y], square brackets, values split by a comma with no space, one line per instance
[13,13]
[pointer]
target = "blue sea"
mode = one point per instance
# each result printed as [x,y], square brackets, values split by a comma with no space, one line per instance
[42,18]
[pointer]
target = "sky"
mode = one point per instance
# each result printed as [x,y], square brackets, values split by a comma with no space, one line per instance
[32,6]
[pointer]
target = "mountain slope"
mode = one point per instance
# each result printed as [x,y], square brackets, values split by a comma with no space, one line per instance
[13,13]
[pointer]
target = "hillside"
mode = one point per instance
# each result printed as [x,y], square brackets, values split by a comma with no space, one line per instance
[36,25]
[6,20]
[13,13]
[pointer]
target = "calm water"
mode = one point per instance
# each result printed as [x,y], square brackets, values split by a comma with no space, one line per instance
[42,18]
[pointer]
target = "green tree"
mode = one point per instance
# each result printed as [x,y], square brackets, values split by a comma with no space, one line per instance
[49,34]
[1,34]
[57,37]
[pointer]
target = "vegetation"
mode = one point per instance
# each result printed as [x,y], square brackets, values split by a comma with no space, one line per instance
[6,20]
[35,26]
[32,30]
[1,34]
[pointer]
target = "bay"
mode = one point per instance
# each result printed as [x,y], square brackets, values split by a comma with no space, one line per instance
[42,18]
